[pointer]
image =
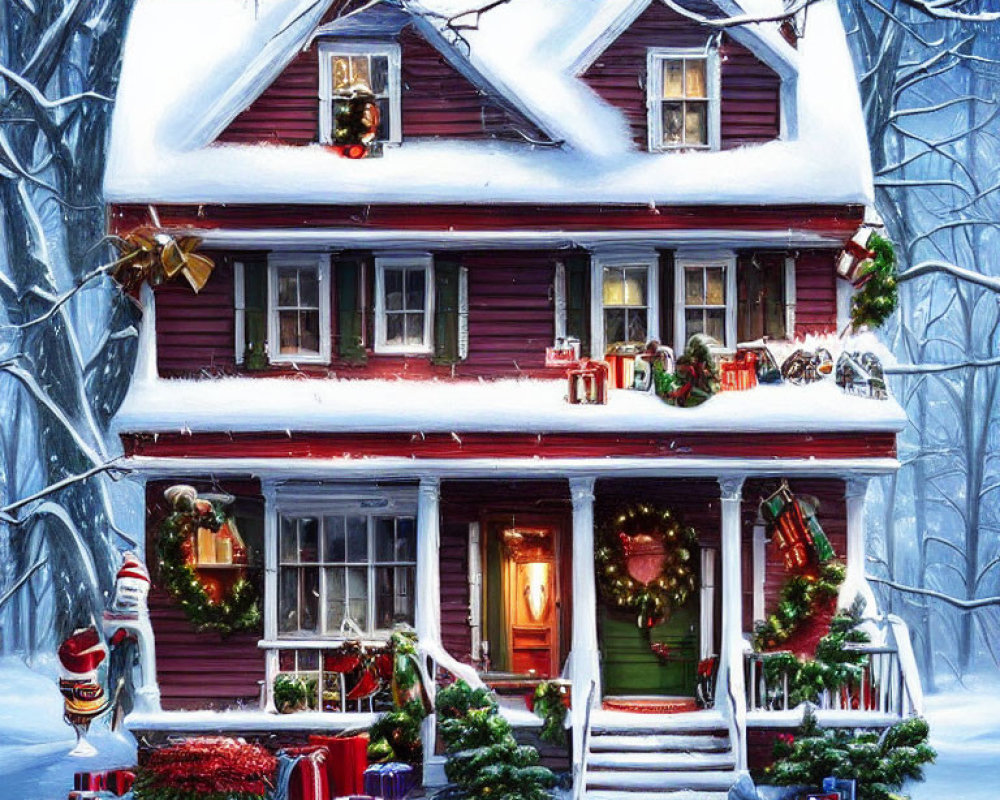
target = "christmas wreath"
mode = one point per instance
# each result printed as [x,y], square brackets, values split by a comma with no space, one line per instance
[644,562]
[237,610]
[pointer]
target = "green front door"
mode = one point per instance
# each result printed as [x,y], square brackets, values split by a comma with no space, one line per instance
[629,665]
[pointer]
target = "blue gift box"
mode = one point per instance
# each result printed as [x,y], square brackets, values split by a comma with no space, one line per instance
[391,781]
[846,787]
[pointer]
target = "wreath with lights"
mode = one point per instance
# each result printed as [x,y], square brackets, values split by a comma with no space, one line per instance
[237,610]
[644,562]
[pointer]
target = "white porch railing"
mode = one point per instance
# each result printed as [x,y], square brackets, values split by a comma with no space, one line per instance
[581,777]
[883,687]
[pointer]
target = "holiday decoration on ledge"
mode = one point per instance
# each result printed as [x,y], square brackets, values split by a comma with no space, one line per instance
[861,374]
[588,383]
[550,703]
[765,367]
[149,255]
[202,562]
[291,693]
[869,263]
[805,366]
[708,672]
[644,562]
[878,762]
[792,524]
[484,760]
[396,735]
[356,124]
[621,360]
[565,353]
[207,768]
[303,773]
[84,698]
[117,782]
[695,378]
[740,373]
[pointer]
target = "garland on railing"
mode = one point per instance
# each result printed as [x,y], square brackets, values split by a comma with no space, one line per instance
[833,667]
[237,610]
[395,736]
[550,705]
[800,599]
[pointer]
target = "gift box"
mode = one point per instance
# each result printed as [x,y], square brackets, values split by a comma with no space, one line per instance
[588,383]
[87,794]
[565,353]
[309,778]
[346,763]
[739,374]
[115,781]
[391,781]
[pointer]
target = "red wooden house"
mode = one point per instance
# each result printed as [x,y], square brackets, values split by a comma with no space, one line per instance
[364,373]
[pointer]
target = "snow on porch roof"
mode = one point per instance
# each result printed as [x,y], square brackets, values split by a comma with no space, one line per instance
[184,57]
[515,405]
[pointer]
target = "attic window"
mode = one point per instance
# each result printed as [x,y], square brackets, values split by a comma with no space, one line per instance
[683,99]
[349,71]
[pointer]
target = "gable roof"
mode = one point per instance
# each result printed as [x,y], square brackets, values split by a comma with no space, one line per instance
[524,50]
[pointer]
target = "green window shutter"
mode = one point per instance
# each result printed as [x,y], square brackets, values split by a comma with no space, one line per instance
[578,300]
[350,310]
[447,272]
[255,311]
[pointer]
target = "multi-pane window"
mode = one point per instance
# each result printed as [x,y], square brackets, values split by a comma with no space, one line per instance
[340,572]
[682,102]
[352,70]
[626,305]
[704,298]
[403,314]
[299,307]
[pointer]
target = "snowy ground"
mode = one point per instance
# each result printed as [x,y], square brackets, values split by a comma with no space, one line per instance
[34,741]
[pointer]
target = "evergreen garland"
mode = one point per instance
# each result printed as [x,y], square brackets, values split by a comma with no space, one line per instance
[876,300]
[237,611]
[879,763]
[395,736]
[550,706]
[484,761]
[799,600]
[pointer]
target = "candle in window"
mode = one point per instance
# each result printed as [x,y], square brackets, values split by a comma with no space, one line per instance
[206,546]
[224,546]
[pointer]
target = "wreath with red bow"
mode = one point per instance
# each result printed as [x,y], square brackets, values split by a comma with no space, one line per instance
[644,562]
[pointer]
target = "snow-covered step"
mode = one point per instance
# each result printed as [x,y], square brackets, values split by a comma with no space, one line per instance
[662,762]
[668,794]
[656,743]
[631,781]
[623,722]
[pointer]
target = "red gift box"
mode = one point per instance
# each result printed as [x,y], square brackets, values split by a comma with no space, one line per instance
[310,778]
[346,764]
[740,374]
[116,781]
[588,382]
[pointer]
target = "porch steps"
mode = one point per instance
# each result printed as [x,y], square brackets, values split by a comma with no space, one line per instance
[659,757]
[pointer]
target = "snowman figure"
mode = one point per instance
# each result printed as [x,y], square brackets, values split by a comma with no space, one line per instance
[131,587]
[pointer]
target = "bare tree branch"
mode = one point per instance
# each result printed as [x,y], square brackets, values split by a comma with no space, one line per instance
[965,605]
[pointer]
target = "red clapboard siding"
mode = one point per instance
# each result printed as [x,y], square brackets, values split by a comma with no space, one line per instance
[454,559]
[840,221]
[750,105]
[511,316]
[437,101]
[815,292]
[416,445]
[202,670]
[196,331]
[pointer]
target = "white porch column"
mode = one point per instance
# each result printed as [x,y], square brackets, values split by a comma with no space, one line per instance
[145,361]
[855,583]
[707,648]
[584,658]
[270,591]
[730,694]
[427,614]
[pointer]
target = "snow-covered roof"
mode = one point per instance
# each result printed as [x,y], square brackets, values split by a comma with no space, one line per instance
[523,406]
[169,105]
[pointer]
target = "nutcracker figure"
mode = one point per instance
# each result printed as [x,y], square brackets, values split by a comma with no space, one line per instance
[84,697]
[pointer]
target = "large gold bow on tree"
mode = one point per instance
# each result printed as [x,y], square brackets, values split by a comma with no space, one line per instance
[149,255]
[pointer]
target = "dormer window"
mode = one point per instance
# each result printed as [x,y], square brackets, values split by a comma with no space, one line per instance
[352,70]
[683,99]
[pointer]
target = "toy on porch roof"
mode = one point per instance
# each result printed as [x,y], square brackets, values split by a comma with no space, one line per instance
[644,562]
[861,374]
[202,561]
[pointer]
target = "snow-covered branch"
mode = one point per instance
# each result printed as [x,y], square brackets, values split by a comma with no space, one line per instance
[112,467]
[926,369]
[965,605]
[968,275]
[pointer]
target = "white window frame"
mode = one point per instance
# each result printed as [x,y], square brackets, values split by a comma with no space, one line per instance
[655,56]
[325,500]
[415,260]
[326,52]
[321,262]
[650,260]
[683,261]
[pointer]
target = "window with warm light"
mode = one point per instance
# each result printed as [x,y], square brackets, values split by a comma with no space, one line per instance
[706,299]
[624,300]
[682,99]
[298,307]
[351,69]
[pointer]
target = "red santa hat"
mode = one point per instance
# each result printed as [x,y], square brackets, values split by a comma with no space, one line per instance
[132,567]
[83,651]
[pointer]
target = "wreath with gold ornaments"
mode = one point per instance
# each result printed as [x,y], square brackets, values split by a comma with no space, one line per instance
[644,562]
